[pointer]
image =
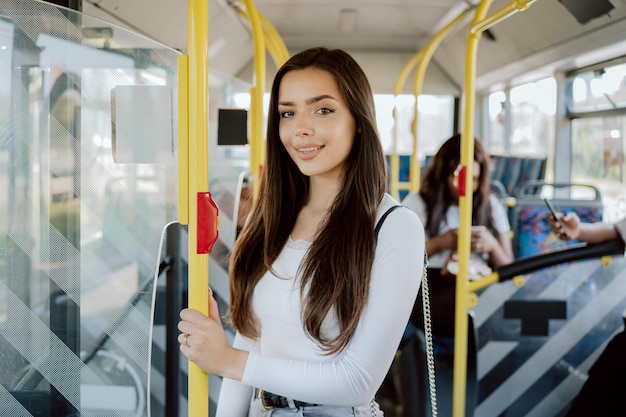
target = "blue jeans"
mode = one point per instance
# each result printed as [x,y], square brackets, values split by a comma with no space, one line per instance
[256,410]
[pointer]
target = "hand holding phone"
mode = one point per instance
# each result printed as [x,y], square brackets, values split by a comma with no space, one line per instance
[556,218]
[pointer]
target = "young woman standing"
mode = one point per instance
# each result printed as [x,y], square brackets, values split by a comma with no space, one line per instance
[319,301]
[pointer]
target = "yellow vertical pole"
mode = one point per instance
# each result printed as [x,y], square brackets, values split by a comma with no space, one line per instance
[198,69]
[480,23]
[394,160]
[274,43]
[281,54]
[465,222]
[421,59]
[420,74]
[256,97]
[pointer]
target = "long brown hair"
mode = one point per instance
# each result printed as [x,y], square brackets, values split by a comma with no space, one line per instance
[436,193]
[337,267]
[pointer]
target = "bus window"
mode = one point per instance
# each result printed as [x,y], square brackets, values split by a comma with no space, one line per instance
[598,158]
[434,126]
[533,106]
[522,123]
[597,105]
[598,89]
[495,131]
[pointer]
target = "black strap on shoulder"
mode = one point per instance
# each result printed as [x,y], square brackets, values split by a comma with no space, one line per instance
[383,217]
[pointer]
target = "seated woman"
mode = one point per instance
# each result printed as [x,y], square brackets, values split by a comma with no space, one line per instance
[437,205]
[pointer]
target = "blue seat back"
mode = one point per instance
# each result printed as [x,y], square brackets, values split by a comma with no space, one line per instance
[532,233]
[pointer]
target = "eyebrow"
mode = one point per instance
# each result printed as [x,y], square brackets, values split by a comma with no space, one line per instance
[309,100]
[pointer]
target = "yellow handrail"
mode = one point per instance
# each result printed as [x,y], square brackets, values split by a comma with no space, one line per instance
[480,23]
[198,70]
[459,383]
[273,42]
[278,45]
[256,98]
[394,183]
[420,73]
[499,15]
[421,59]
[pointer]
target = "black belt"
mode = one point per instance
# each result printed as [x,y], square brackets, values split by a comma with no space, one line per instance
[269,400]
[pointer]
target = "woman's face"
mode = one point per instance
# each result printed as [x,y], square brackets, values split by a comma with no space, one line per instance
[316,126]
[453,181]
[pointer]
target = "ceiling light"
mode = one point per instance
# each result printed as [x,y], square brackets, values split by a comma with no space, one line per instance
[347,20]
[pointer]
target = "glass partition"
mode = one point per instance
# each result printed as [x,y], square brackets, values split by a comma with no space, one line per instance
[88,174]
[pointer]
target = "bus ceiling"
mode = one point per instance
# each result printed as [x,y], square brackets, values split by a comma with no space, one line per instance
[384,38]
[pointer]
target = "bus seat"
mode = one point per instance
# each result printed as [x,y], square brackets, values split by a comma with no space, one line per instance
[514,171]
[531,230]
[498,189]
[532,169]
[497,167]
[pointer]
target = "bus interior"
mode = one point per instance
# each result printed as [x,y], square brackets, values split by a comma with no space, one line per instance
[95,252]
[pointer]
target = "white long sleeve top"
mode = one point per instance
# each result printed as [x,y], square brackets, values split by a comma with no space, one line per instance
[286,361]
[451,220]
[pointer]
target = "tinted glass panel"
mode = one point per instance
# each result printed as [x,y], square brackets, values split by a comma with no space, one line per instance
[87,183]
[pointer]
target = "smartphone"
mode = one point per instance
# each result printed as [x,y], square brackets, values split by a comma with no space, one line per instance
[553,211]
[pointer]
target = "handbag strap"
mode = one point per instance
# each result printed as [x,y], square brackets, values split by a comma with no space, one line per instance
[430,356]
[379,224]
[428,334]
